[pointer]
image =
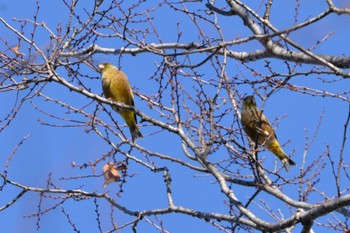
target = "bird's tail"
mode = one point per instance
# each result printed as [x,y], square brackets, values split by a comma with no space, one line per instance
[278,151]
[287,162]
[135,133]
[130,120]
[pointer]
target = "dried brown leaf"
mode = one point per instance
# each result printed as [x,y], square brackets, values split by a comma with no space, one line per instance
[111,173]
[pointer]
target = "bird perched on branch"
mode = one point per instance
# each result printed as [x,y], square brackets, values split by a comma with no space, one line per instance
[259,130]
[116,87]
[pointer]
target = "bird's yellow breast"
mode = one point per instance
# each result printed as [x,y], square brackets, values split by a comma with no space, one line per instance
[116,87]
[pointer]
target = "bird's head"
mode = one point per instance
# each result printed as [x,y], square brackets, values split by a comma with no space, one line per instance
[249,101]
[103,66]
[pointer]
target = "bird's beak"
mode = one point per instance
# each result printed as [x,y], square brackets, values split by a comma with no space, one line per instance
[100,67]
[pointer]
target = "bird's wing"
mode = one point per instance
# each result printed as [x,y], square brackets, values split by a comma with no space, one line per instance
[263,125]
[126,96]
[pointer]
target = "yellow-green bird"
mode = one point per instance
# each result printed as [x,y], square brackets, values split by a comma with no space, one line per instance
[260,131]
[116,86]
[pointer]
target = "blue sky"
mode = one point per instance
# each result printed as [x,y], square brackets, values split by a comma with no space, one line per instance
[51,150]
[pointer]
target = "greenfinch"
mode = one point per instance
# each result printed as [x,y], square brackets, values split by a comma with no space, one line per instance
[259,130]
[116,87]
